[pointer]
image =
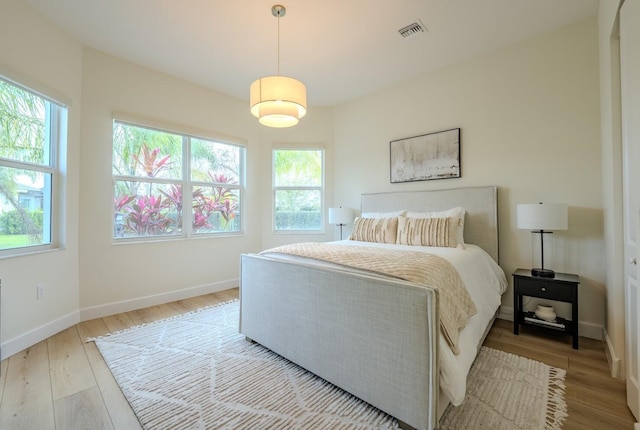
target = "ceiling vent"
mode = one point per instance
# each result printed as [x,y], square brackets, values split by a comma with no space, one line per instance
[414,29]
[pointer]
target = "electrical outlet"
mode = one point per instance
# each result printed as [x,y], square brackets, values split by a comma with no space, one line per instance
[40,291]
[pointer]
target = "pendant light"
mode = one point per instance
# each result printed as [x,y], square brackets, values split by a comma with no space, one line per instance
[278,101]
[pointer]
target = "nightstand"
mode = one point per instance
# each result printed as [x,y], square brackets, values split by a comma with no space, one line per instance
[562,288]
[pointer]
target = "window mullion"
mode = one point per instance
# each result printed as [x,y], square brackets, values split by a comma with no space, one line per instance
[26,166]
[54,141]
[212,184]
[294,188]
[187,212]
[147,179]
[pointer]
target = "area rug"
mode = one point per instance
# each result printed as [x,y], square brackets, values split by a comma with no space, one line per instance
[195,371]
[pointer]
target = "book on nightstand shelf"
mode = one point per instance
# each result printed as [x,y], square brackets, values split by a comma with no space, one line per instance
[558,324]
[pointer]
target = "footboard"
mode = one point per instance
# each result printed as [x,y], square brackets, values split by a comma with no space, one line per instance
[376,338]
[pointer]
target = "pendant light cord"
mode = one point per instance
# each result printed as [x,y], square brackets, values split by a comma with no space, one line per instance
[278,43]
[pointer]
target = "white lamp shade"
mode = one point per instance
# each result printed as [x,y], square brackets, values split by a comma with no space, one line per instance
[278,101]
[542,216]
[339,216]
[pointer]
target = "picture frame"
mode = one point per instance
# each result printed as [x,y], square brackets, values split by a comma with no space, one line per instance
[426,157]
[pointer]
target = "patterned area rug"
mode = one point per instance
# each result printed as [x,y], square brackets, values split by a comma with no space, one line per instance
[195,371]
[509,392]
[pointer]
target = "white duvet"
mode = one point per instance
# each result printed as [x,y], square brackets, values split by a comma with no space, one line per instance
[485,282]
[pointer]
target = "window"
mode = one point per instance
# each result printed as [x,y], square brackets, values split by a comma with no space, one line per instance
[298,188]
[31,130]
[152,167]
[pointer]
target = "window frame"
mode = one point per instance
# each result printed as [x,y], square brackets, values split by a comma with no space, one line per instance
[55,138]
[320,188]
[186,134]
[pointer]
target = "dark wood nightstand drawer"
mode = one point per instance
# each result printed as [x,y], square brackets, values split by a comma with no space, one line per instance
[545,290]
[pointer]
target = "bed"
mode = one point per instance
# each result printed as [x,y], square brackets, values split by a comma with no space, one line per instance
[376,336]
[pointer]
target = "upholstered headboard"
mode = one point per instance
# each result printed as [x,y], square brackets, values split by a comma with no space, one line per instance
[480,204]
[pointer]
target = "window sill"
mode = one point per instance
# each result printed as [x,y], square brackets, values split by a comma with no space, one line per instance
[30,253]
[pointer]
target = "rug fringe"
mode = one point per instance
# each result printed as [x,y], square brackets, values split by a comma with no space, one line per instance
[196,311]
[556,405]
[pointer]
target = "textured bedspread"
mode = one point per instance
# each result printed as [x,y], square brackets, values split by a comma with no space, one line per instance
[456,306]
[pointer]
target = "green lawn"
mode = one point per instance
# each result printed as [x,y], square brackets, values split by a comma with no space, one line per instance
[13,240]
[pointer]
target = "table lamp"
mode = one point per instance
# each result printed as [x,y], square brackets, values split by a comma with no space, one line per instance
[542,218]
[340,217]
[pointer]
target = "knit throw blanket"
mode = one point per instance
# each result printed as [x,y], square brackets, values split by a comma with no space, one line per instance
[429,270]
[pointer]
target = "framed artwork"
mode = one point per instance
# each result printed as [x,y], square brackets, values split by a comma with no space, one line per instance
[429,156]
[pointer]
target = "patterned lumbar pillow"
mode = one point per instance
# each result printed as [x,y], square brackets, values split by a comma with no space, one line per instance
[428,231]
[457,213]
[381,230]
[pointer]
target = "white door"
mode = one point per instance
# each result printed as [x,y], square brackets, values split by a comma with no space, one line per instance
[630,97]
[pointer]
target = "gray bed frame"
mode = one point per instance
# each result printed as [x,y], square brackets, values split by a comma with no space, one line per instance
[374,337]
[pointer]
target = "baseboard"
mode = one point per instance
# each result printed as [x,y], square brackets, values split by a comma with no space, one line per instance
[38,334]
[586,329]
[615,364]
[590,330]
[100,311]
[505,313]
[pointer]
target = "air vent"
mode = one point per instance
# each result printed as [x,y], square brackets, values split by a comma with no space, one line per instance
[413,29]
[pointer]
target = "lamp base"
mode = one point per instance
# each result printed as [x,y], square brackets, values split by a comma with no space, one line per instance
[543,273]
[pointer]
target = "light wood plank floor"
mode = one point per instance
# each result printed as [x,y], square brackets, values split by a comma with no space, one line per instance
[63,383]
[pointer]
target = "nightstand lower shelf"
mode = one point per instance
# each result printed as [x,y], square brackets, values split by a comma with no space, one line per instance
[560,324]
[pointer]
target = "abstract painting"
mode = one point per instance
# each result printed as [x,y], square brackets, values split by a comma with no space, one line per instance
[425,157]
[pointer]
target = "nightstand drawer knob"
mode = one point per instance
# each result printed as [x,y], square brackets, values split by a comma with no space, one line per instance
[634,261]
[543,289]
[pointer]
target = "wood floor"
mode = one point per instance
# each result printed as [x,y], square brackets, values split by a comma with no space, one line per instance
[63,383]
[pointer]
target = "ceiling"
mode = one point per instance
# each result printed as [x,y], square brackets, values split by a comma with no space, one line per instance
[341,49]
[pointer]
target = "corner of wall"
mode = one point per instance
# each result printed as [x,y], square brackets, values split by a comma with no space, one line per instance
[38,334]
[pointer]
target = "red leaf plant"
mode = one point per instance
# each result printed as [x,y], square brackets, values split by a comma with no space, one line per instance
[174,194]
[222,201]
[148,215]
[150,163]
[224,198]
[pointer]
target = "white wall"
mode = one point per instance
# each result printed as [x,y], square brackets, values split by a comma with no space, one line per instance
[529,116]
[35,52]
[612,179]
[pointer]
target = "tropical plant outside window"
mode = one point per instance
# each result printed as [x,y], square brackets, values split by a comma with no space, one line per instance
[152,168]
[30,131]
[298,187]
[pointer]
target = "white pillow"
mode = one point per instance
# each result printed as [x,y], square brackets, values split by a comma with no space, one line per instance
[450,213]
[383,214]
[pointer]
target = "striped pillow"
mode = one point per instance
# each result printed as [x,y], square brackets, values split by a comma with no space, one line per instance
[440,232]
[381,230]
[456,213]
